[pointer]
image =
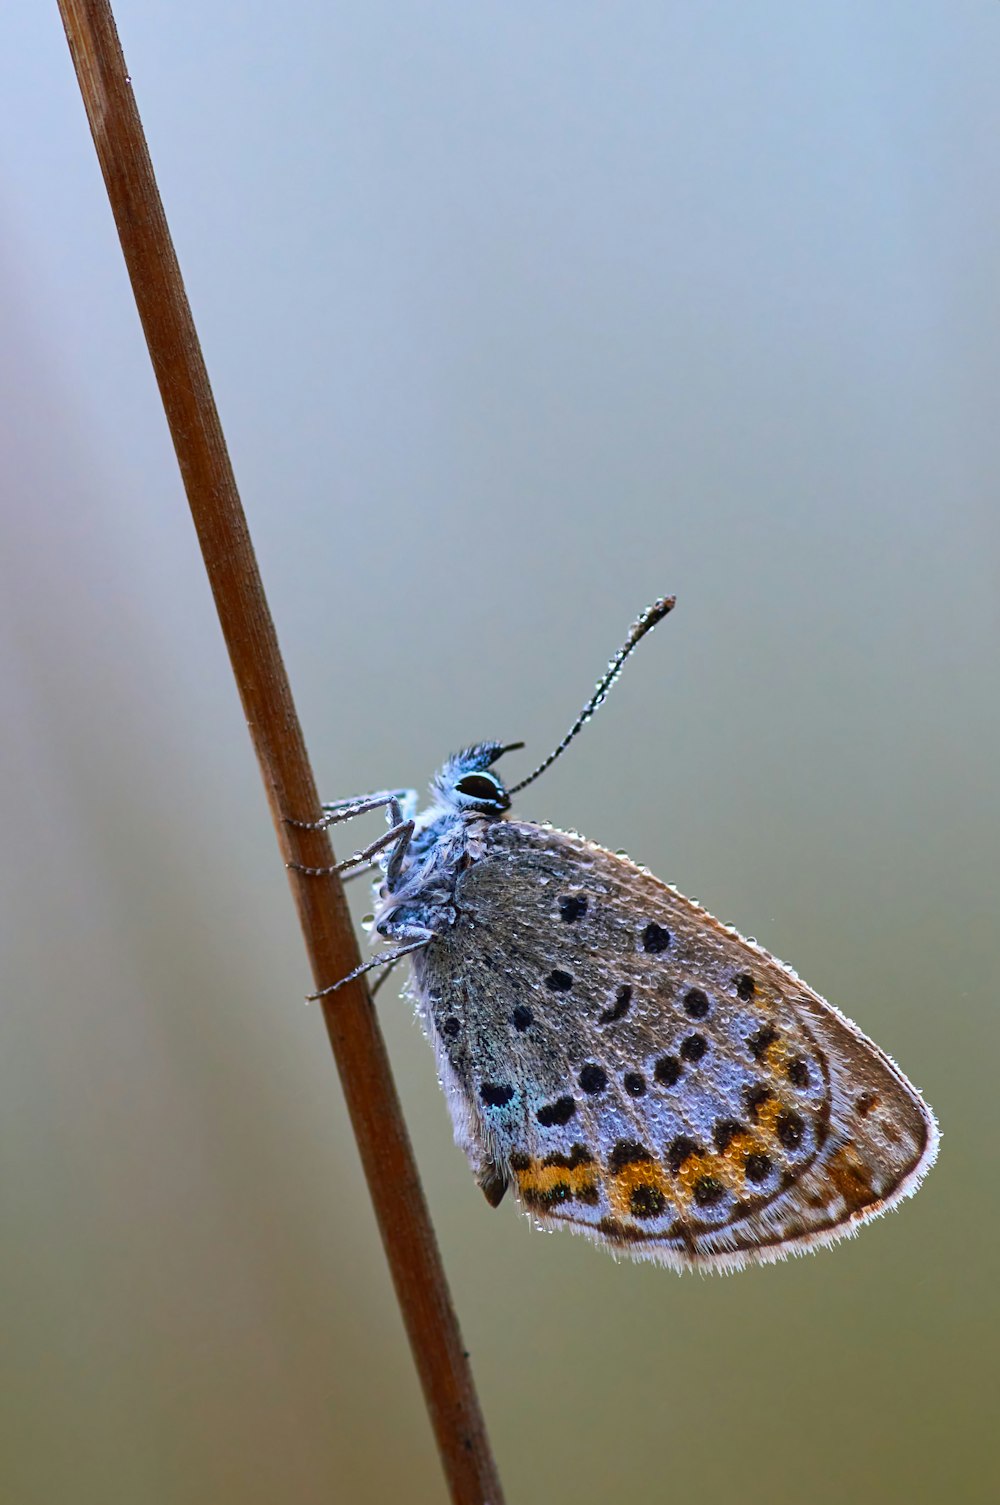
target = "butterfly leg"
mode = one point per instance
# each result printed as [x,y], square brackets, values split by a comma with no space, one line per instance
[387,959]
[358,804]
[398,837]
[360,872]
[390,967]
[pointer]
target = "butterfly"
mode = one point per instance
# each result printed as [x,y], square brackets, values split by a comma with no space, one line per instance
[626,1064]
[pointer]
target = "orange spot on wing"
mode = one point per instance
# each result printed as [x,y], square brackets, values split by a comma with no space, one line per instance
[777,1056]
[539,1184]
[728,1165]
[694,1167]
[623,1183]
[767,1118]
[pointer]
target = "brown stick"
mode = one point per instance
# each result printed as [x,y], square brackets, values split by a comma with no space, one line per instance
[208,478]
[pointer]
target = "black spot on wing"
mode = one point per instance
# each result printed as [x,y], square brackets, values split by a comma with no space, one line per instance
[679,1150]
[572,907]
[647,1201]
[693,1048]
[758,1167]
[593,1078]
[620,1007]
[695,1003]
[708,1191]
[628,1152]
[559,1112]
[755,1097]
[578,1155]
[725,1131]
[762,1040]
[667,1071]
[790,1129]
[655,939]
[496,1094]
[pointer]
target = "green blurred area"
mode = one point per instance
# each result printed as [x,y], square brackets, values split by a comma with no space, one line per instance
[517,318]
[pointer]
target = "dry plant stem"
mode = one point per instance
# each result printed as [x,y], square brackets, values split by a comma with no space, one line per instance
[263,686]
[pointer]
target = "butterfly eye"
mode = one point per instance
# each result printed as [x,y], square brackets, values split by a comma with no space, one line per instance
[478,786]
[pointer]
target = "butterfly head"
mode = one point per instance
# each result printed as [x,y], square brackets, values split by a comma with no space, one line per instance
[467,781]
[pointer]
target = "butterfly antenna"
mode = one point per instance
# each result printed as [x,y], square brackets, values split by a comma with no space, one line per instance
[646,622]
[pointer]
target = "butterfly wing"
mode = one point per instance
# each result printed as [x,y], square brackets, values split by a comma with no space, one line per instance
[645,1075]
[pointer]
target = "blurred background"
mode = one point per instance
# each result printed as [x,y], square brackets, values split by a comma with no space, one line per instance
[517,317]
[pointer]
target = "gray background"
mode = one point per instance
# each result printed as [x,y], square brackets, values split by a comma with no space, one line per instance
[517,316]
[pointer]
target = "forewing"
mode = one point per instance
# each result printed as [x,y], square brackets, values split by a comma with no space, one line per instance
[644,1074]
